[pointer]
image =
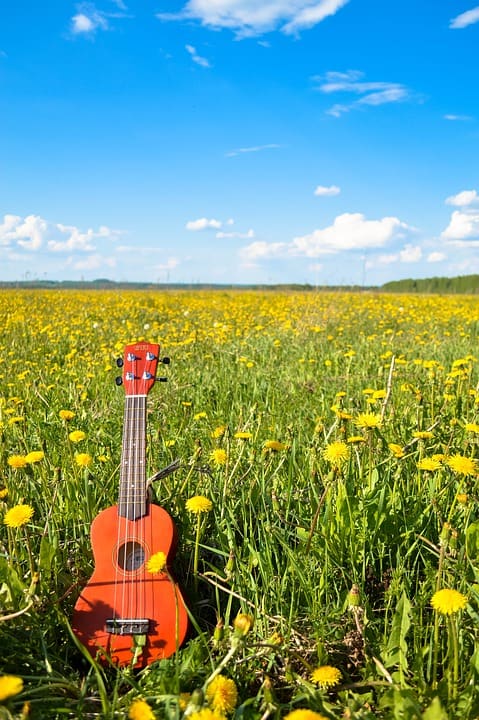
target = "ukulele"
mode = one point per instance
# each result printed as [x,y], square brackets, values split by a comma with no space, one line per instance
[126,614]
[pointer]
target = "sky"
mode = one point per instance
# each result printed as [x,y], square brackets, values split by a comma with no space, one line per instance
[329,142]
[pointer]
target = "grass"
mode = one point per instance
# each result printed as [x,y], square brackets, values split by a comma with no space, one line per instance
[344,497]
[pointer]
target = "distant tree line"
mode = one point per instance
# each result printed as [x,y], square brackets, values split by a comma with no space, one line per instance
[467,284]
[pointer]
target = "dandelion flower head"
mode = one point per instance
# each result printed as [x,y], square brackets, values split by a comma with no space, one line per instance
[222,694]
[462,465]
[34,456]
[336,453]
[77,436]
[198,504]
[304,714]
[140,710]
[10,685]
[83,459]
[368,420]
[156,563]
[206,714]
[17,461]
[66,415]
[326,676]
[18,516]
[429,463]
[448,601]
[219,456]
[274,445]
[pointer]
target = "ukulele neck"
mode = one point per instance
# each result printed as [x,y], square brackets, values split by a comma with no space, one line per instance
[133,501]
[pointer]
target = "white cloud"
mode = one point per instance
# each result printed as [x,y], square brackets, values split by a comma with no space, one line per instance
[464,19]
[350,231]
[463,228]
[327,191]
[33,233]
[170,264]
[457,117]
[436,257]
[203,62]
[464,198]
[371,93]
[410,253]
[237,235]
[93,262]
[203,224]
[88,20]
[260,250]
[253,149]
[249,17]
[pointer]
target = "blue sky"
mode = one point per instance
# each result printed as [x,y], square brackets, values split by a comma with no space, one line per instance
[239,141]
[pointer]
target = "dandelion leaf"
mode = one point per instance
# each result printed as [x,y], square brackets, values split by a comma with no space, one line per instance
[396,650]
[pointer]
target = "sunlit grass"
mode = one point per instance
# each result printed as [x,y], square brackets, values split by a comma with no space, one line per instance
[336,437]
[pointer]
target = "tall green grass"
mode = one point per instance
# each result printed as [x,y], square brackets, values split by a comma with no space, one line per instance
[336,561]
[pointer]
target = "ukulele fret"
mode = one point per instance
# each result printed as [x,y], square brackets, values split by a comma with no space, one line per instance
[133,499]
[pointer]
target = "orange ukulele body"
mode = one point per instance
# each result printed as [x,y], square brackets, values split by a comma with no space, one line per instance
[127,614]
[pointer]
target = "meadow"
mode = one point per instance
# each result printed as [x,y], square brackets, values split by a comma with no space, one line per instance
[330,443]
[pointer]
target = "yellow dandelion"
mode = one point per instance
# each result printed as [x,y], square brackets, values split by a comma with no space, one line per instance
[17,461]
[243,623]
[16,419]
[422,434]
[222,694]
[462,498]
[336,453]
[156,563]
[356,439]
[3,493]
[219,456]
[274,445]
[140,710]
[34,456]
[198,504]
[77,436]
[429,463]
[243,435]
[18,516]
[66,415]
[462,465]
[448,601]
[472,427]
[368,420]
[83,459]
[199,415]
[397,450]
[326,676]
[304,714]
[205,714]
[10,685]
[218,431]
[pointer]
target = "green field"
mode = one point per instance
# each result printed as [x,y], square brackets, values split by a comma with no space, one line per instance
[336,438]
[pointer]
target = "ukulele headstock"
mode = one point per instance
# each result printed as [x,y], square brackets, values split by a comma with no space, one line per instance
[139,363]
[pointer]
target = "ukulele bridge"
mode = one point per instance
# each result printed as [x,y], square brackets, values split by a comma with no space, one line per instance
[127,626]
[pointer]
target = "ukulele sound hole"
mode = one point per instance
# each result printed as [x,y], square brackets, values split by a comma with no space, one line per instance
[131,555]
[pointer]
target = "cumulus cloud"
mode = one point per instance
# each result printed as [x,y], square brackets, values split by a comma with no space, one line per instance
[370,93]
[88,19]
[236,235]
[203,224]
[463,198]
[93,262]
[349,231]
[436,257]
[457,118]
[327,191]
[464,19]
[408,254]
[33,233]
[203,62]
[463,228]
[247,18]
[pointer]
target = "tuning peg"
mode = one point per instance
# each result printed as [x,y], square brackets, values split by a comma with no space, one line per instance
[119,380]
[165,360]
[119,362]
[161,379]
